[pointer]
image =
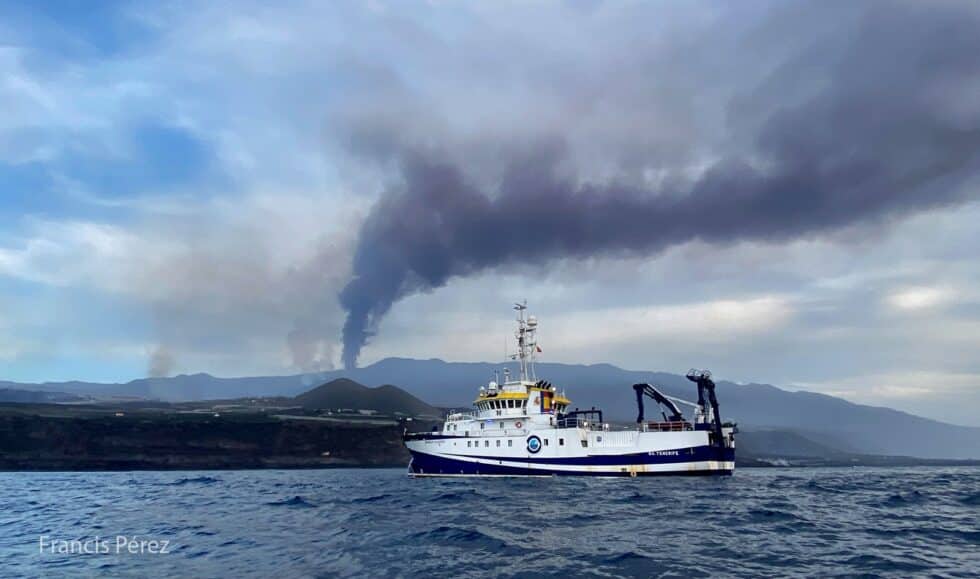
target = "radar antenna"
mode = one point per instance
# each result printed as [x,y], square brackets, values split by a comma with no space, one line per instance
[527,344]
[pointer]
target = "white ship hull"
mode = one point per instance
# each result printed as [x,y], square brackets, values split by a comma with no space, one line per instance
[560,451]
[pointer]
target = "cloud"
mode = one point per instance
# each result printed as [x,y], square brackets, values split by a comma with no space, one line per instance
[920,298]
[258,274]
[947,396]
[858,140]
[674,130]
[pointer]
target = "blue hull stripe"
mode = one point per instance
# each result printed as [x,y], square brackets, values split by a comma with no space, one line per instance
[423,463]
[695,454]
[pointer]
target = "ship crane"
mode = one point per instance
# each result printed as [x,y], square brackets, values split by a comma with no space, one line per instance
[706,386]
[648,390]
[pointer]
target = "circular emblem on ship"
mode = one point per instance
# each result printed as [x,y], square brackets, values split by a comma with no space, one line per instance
[533,444]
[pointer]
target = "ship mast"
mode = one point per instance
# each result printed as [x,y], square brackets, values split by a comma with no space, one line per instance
[527,344]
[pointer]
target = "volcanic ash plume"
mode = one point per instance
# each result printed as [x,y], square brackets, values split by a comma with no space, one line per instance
[162,363]
[874,142]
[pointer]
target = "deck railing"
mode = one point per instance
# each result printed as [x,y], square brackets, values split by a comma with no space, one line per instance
[669,426]
[579,422]
[454,416]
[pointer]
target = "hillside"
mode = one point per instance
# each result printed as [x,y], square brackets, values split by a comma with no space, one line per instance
[37,396]
[44,439]
[827,420]
[386,399]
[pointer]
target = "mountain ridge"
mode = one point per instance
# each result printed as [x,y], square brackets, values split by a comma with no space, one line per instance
[348,394]
[820,417]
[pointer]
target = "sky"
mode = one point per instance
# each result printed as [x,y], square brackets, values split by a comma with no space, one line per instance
[782,192]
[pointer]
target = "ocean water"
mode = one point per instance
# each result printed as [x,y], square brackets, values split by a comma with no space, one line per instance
[338,523]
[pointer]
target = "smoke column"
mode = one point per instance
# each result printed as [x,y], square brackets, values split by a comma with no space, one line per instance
[877,142]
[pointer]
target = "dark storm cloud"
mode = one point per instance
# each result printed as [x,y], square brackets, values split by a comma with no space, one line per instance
[872,124]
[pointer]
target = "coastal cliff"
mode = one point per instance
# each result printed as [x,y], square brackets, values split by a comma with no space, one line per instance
[110,442]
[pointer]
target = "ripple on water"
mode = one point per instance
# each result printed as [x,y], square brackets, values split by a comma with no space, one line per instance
[972,500]
[197,480]
[460,495]
[467,538]
[295,501]
[760,522]
[904,499]
[371,499]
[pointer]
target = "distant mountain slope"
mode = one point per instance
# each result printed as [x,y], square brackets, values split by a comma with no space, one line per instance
[782,443]
[185,387]
[823,419]
[36,396]
[344,393]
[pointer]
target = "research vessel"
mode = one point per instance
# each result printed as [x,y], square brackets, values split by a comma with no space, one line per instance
[526,427]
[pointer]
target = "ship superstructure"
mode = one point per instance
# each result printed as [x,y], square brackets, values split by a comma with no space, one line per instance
[522,426]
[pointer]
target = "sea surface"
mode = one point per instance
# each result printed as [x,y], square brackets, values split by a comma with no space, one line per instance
[897,522]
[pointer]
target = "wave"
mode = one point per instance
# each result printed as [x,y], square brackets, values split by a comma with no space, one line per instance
[815,486]
[202,480]
[468,538]
[457,495]
[902,500]
[631,563]
[636,497]
[972,500]
[371,499]
[939,535]
[827,522]
[771,515]
[296,501]
[868,561]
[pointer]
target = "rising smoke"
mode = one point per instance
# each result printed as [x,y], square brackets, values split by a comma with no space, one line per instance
[881,134]
[161,363]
